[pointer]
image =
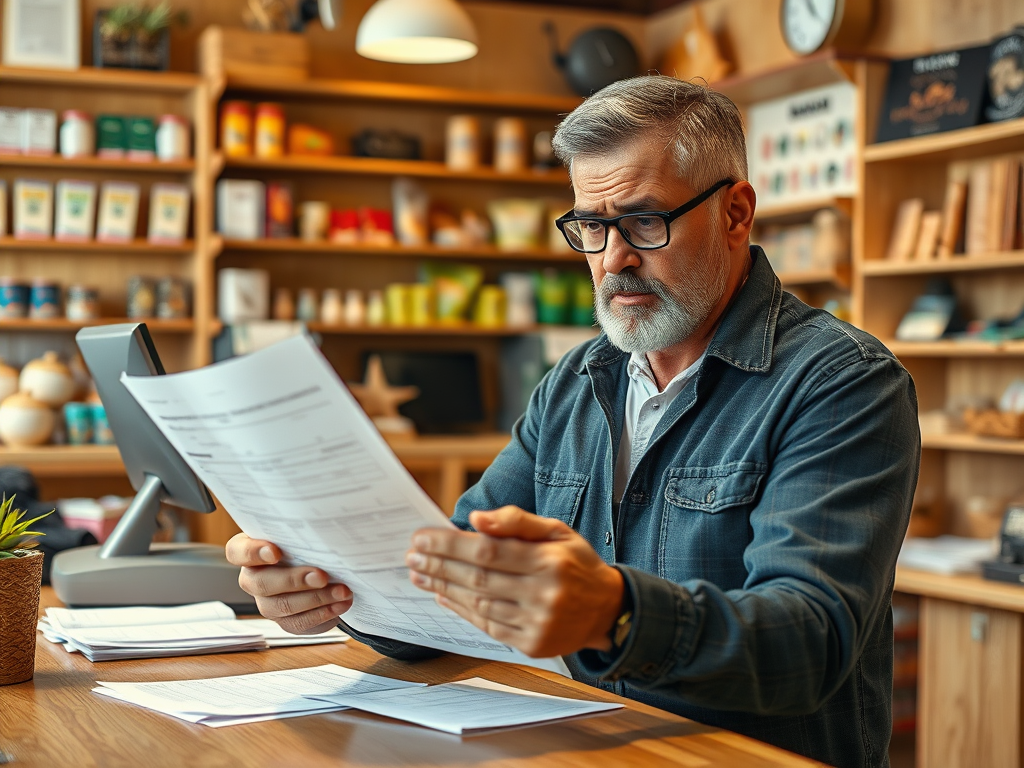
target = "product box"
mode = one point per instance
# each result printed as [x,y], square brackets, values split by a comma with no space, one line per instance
[76,210]
[33,209]
[280,210]
[39,132]
[168,213]
[243,295]
[10,131]
[3,207]
[119,211]
[240,208]
[141,138]
[111,136]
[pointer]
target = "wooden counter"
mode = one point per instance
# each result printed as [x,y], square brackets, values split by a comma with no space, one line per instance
[55,721]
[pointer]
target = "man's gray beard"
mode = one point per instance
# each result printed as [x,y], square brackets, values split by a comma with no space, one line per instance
[677,316]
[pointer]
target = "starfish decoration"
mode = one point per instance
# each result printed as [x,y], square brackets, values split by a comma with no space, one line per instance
[376,396]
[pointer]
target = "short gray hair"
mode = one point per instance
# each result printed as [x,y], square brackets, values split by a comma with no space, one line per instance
[704,128]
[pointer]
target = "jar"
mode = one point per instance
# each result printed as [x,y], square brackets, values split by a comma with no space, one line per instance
[269,130]
[8,380]
[462,150]
[332,311]
[76,134]
[44,300]
[25,421]
[83,303]
[172,139]
[376,313]
[14,296]
[308,305]
[141,297]
[355,307]
[284,304]
[48,380]
[236,129]
[509,145]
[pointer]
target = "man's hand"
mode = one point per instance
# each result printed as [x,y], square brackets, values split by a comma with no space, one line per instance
[530,582]
[299,598]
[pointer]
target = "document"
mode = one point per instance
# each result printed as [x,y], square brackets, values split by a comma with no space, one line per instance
[106,634]
[220,701]
[469,706]
[286,449]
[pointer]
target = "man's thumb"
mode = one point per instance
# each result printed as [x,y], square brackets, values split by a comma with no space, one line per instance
[515,523]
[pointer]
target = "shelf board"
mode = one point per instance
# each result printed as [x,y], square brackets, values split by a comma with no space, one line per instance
[822,68]
[121,165]
[790,213]
[950,348]
[963,144]
[959,263]
[138,245]
[186,325]
[973,444]
[838,278]
[460,329]
[65,460]
[372,166]
[111,79]
[325,247]
[399,93]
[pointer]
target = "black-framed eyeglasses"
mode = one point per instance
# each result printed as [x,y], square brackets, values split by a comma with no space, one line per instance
[645,230]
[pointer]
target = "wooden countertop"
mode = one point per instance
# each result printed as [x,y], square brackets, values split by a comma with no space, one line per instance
[962,588]
[54,720]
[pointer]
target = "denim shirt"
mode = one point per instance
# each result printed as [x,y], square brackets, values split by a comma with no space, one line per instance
[758,534]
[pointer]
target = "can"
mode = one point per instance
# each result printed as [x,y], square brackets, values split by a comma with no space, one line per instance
[236,128]
[398,300]
[421,304]
[172,300]
[78,420]
[44,300]
[269,130]
[462,144]
[172,139]
[509,145]
[14,298]
[102,434]
[141,297]
[82,303]
[490,306]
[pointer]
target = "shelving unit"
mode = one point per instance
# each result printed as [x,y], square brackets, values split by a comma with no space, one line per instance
[327,248]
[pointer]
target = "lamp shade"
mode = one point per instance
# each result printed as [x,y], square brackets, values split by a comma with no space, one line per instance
[416,32]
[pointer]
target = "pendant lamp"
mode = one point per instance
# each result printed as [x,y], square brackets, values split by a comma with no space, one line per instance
[416,32]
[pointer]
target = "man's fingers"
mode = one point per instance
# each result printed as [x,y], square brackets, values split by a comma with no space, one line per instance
[506,555]
[315,621]
[245,552]
[501,632]
[281,606]
[515,523]
[484,581]
[266,580]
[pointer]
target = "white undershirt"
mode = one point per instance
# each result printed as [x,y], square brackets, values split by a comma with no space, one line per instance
[644,408]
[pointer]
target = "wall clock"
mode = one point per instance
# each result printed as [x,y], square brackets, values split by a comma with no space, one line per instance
[810,25]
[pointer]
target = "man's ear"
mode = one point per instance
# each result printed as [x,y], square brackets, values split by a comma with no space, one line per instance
[740,202]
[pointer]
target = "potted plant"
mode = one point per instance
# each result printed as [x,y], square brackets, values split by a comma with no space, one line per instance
[21,575]
[133,35]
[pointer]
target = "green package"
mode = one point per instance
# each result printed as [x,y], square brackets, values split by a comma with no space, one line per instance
[111,135]
[141,136]
[454,287]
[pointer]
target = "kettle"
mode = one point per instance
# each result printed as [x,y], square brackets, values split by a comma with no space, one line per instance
[596,58]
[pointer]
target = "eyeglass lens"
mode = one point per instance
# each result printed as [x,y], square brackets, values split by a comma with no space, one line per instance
[641,231]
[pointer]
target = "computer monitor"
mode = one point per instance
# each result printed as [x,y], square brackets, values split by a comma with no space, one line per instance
[128,569]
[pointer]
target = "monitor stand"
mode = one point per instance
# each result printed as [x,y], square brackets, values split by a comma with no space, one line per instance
[128,570]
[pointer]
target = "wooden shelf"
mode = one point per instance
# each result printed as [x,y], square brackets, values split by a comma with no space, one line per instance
[121,165]
[973,444]
[371,166]
[91,246]
[108,79]
[398,93]
[65,460]
[822,68]
[327,248]
[959,263]
[948,348]
[186,325]
[965,588]
[964,144]
[839,278]
[460,329]
[792,213]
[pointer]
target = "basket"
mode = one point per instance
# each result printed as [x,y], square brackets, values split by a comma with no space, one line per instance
[993,423]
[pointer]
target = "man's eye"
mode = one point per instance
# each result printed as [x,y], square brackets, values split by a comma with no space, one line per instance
[591,227]
[646,222]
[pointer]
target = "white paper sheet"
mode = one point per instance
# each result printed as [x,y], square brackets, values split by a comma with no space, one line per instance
[293,458]
[469,706]
[236,699]
[83,618]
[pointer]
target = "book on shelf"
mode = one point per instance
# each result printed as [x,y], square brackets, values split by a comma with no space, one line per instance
[928,236]
[979,200]
[952,218]
[1011,209]
[905,230]
[993,206]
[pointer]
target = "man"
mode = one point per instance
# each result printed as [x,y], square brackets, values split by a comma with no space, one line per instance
[701,509]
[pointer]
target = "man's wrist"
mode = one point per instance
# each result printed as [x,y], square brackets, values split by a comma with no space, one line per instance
[618,597]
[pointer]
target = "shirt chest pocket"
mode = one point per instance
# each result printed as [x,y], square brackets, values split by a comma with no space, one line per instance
[714,489]
[560,494]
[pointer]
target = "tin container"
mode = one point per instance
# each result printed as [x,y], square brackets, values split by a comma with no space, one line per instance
[14,298]
[82,303]
[172,300]
[269,130]
[78,420]
[509,145]
[44,300]
[462,145]
[102,434]
[236,128]
[141,297]
[421,304]
[490,307]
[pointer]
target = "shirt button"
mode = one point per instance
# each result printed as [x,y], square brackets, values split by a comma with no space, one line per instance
[608,538]
[710,497]
[656,405]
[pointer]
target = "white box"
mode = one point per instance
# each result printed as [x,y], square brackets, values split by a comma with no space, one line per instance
[76,210]
[240,208]
[10,131]
[243,294]
[119,211]
[39,132]
[33,209]
[168,213]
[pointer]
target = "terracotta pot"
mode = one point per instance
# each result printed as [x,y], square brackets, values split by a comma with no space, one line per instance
[20,579]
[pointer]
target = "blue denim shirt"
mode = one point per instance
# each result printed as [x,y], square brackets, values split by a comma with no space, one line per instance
[757,535]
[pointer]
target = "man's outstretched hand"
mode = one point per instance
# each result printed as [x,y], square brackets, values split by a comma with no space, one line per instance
[530,582]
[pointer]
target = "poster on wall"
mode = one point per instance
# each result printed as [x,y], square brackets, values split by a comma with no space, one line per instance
[801,147]
[42,33]
[939,92]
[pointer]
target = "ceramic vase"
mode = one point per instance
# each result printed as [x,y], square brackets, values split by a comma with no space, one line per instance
[48,380]
[25,421]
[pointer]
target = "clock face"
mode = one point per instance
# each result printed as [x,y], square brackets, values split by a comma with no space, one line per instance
[806,23]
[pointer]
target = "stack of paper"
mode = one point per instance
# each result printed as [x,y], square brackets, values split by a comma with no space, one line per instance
[947,554]
[106,634]
[240,699]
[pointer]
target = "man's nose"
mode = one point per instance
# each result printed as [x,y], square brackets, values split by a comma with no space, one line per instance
[618,253]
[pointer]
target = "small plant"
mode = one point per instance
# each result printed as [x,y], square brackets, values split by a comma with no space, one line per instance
[15,538]
[126,21]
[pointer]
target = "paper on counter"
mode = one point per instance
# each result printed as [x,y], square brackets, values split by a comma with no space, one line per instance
[237,699]
[469,706]
[286,449]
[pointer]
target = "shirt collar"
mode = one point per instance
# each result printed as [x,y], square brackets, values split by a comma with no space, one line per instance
[744,337]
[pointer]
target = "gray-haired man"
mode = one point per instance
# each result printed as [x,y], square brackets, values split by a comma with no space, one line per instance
[701,509]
